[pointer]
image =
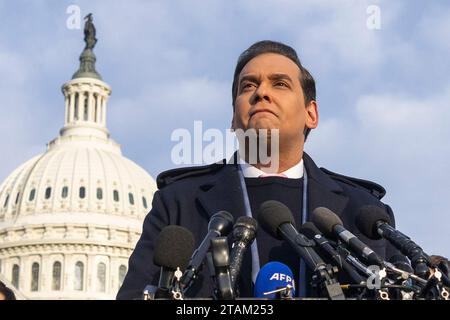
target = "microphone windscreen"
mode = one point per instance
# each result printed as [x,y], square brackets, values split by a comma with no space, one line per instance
[367,219]
[325,220]
[272,214]
[174,247]
[309,230]
[272,276]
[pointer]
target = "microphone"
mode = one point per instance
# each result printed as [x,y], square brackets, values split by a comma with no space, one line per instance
[331,225]
[401,262]
[374,223]
[220,224]
[311,231]
[244,232]
[401,266]
[219,265]
[277,220]
[173,248]
[274,281]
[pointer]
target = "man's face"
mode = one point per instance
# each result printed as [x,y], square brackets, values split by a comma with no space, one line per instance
[270,96]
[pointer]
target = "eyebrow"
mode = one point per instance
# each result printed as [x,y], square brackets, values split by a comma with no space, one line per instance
[249,77]
[280,76]
[274,76]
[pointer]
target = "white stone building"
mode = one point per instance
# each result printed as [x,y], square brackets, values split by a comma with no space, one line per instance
[70,217]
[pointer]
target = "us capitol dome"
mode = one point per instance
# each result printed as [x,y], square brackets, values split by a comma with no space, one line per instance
[71,216]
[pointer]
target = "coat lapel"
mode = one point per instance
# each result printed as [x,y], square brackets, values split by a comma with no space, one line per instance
[322,190]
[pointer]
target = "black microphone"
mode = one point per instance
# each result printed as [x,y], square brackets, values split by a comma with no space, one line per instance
[219,265]
[401,262]
[244,232]
[402,267]
[173,248]
[277,220]
[331,225]
[220,224]
[374,223]
[311,231]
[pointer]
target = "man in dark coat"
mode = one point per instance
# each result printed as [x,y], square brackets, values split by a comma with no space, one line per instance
[273,91]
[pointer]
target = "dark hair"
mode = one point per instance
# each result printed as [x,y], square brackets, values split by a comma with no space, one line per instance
[7,292]
[267,46]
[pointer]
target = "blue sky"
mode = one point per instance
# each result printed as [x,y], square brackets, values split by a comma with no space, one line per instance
[383,94]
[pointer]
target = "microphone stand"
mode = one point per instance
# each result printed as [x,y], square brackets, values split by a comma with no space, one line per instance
[324,277]
[324,280]
[284,293]
[435,287]
[175,292]
[219,266]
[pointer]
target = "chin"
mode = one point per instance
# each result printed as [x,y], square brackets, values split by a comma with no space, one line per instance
[263,123]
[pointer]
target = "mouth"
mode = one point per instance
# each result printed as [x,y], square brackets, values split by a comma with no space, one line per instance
[252,113]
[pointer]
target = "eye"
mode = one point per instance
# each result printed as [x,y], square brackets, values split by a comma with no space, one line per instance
[281,84]
[247,85]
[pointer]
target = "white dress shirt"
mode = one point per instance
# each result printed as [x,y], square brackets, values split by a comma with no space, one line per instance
[249,171]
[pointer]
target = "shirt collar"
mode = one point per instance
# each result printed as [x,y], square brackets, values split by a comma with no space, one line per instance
[249,171]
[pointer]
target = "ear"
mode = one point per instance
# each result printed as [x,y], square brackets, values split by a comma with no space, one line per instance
[233,126]
[312,115]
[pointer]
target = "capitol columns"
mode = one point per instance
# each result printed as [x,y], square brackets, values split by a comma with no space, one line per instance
[91,115]
[97,108]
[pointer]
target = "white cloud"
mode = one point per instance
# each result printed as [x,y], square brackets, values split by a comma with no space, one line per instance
[146,121]
[23,114]
[402,143]
[13,68]
[174,102]
[435,28]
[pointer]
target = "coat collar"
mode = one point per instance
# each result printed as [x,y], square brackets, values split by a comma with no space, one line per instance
[223,191]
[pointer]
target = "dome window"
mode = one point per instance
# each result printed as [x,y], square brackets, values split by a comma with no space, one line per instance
[6,201]
[56,281]
[48,193]
[144,202]
[17,197]
[131,198]
[101,277]
[32,195]
[64,192]
[116,195]
[35,277]
[15,276]
[122,274]
[79,276]
[99,193]
[82,192]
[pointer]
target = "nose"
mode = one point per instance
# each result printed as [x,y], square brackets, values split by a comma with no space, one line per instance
[262,93]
